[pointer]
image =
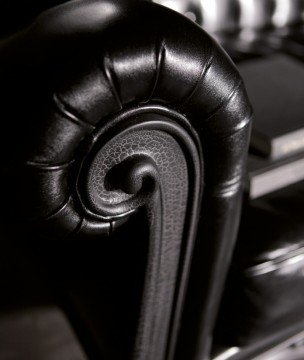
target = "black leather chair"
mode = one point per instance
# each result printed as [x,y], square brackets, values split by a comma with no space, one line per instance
[261,314]
[122,137]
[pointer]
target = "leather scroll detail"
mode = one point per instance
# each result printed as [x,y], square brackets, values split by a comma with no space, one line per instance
[113,141]
[145,161]
[143,158]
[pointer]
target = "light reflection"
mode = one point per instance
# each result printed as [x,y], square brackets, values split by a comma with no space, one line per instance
[282,266]
[255,14]
[227,353]
[178,6]
[219,15]
[209,8]
[287,12]
[190,15]
[190,8]
[82,17]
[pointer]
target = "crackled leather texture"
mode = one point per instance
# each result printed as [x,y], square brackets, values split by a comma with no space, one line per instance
[121,109]
[263,299]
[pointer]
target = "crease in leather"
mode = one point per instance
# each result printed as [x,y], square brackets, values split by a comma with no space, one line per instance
[64,110]
[160,51]
[110,76]
[49,167]
[202,75]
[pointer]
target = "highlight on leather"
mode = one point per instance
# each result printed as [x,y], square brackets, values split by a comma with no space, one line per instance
[160,67]
[147,98]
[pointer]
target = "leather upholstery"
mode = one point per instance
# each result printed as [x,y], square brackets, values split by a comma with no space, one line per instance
[16,15]
[264,295]
[263,303]
[113,111]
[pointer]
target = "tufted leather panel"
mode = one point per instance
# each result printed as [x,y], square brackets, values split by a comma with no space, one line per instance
[113,109]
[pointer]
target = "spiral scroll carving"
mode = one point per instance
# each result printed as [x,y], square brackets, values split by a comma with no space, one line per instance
[146,163]
[118,136]
[136,146]
[142,158]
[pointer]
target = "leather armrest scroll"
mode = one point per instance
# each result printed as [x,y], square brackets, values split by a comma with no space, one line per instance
[122,105]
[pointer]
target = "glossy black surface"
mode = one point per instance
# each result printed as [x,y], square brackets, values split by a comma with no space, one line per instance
[97,88]
[263,301]
[264,294]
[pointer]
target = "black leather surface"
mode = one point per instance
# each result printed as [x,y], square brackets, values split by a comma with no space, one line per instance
[264,294]
[263,299]
[88,87]
[16,15]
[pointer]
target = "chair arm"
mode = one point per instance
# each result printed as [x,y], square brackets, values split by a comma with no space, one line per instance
[117,108]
